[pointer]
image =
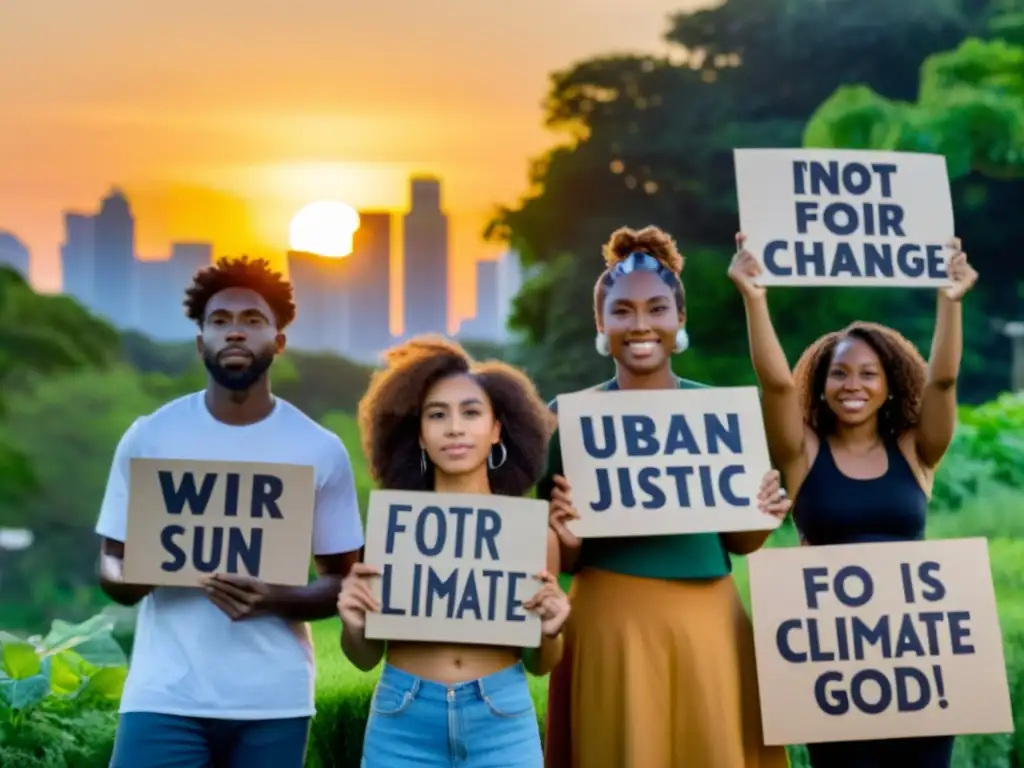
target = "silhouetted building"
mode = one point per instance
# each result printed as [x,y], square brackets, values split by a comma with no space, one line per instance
[114,250]
[160,291]
[322,302]
[14,253]
[509,279]
[425,240]
[368,286]
[487,324]
[78,258]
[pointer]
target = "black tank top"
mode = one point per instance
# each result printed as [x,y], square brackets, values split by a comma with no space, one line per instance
[832,508]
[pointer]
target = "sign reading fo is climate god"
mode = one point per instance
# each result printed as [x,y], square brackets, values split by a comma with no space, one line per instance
[846,217]
[455,567]
[189,519]
[878,641]
[659,462]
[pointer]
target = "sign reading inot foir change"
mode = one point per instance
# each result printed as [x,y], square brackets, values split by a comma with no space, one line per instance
[658,462]
[846,217]
[189,519]
[455,568]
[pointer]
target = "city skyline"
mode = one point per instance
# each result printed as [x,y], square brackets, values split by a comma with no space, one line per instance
[213,144]
[335,295]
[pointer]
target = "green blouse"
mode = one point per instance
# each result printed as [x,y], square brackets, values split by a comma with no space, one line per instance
[680,556]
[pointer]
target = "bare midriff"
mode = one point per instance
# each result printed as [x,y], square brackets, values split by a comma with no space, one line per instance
[444,663]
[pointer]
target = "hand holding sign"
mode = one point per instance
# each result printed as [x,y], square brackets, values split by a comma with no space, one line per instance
[551,604]
[771,497]
[744,270]
[356,597]
[961,273]
[561,511]
[240,597]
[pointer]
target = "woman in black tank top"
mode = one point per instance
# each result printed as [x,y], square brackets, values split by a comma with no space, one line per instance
[857,431]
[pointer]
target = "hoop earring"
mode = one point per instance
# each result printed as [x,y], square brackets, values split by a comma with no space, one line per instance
[423,461]
[601,345]
[682,341]
[491,463]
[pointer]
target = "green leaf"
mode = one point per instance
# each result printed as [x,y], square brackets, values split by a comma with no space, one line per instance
[67,673]
[26,692]
[20,660]
[64,636]
[106,685]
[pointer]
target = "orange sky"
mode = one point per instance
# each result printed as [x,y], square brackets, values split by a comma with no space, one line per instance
[221,119]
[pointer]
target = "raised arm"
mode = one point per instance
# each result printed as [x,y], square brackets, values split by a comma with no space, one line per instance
[938,403]
[783,419]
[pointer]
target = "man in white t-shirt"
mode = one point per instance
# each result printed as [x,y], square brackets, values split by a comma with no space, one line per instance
[222,674]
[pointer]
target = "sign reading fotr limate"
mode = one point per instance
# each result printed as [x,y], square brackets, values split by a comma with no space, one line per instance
[455,567]
[659,462]
[188,519]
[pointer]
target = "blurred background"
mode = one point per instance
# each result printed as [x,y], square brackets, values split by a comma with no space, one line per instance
[486,151]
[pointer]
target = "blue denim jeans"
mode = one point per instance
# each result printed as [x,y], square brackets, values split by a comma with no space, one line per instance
[150,740]
[485,723]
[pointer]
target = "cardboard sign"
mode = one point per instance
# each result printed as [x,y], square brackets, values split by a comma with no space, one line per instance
[846,217]
[658,462]
[878,641]
[189,519]
[456,568]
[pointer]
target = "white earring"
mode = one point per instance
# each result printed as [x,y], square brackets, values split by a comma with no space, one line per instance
[491,463]
[682,341]
[601,345]
[423,461]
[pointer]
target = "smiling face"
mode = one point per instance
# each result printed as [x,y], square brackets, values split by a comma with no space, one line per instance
[641,320]
[856,387]
[239,338]
[457,426]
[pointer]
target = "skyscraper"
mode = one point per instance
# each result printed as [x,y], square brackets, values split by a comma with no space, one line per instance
[487,325]
[322,302]
[114,249]
[425,240]
[77,258]
[14,253]
[509,279]
[160,291]
[368,285]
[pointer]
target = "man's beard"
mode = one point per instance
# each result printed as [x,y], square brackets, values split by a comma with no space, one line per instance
[239,379]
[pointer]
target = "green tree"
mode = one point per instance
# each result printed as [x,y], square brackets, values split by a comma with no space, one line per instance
[67,426]
[41,334]
[649,140]
[969,108]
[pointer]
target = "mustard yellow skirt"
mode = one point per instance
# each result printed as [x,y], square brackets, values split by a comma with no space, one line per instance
[656,674]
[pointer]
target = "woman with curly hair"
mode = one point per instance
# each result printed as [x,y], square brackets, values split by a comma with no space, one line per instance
[659,653]
[434,420]
[858,430]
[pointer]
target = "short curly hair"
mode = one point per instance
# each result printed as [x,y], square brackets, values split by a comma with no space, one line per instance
[650,240]
[240,272]
[905,372]
[389,415]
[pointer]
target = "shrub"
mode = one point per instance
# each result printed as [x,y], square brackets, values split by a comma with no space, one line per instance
[58,695]
[987,451]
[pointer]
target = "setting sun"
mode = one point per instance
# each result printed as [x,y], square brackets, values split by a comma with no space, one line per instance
[324,228]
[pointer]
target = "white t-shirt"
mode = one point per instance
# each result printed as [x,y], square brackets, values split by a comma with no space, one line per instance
[189,658]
